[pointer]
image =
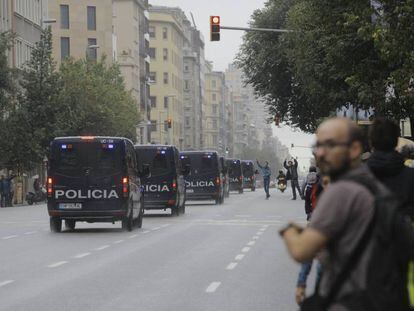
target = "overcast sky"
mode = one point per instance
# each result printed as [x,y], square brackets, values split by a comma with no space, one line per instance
[232,13]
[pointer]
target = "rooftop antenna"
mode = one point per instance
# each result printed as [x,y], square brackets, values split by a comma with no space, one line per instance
[192,17]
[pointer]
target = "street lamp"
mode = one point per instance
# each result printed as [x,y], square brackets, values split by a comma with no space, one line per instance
[47,21]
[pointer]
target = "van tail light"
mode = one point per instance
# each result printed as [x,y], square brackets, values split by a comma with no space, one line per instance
[125,187]
[174,185]
[218,181]
[49,186]
[241,178]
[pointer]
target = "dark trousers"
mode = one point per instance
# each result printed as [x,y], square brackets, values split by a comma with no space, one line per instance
[295,185]
[266,183]
[3,200]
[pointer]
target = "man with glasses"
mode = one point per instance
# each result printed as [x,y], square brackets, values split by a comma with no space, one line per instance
[344,212]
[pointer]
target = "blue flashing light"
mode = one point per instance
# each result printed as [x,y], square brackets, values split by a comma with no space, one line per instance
[163,152]
[110,146]
[182,157]
[64,146]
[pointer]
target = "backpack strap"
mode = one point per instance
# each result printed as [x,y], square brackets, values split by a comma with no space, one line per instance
[355,256]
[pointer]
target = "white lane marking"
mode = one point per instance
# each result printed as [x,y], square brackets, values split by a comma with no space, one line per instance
[213,287]
[4,283]
[259,233]
[10,237]
[255,237]
[30,232]
[133,236]
[239,257]
[247,216]
[273,216]
[245,249]
[266,226]
[156,228]
[81,255]
[119,241]
[251,243]
[165,226]
[231,266]
[146,232]
[57,264]
[102,247]
[262,229]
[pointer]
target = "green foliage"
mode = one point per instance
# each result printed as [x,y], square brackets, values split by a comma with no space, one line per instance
[335,54]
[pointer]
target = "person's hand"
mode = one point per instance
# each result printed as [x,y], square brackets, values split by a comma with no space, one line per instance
[300,294]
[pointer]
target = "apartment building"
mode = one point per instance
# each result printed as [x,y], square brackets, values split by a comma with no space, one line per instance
[82,29]
[168,39]
[194,91]
[131,42]
[24,18]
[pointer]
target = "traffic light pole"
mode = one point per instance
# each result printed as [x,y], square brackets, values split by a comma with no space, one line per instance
[256,29]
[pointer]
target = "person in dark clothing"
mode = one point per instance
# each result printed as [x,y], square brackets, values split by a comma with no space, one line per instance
[6,187]
[2,195]
[292,175]
[388,165]
[266,173]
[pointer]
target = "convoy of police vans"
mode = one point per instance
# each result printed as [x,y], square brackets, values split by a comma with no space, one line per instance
[108,179]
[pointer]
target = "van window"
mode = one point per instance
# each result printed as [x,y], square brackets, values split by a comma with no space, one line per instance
[201,163]
[74,159]
[158,160]
[248,169]
[234,169]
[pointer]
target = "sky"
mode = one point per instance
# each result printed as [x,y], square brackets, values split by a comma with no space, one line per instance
[235,13]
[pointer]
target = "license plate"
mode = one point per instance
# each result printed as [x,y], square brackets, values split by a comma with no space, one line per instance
[70,205]
[190,190]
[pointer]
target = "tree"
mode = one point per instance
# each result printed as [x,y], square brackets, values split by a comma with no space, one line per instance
[94,101]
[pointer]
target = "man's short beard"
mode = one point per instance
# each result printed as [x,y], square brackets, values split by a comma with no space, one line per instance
[334,174]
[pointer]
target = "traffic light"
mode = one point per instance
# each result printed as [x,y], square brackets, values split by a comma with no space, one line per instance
[169,123]
[214,28]
[277,120]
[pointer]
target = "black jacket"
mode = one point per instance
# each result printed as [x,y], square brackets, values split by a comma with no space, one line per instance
[389,168]
[292,171]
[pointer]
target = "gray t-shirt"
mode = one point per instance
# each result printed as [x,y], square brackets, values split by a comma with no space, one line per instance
[343,214]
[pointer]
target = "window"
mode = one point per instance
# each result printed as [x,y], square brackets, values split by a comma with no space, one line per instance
[152,53]
[214,109]
[151,30]
[166,80]
[213,84]
[186,68]
[186,84]
[165,54]
[165,33]
[64,47]
[153,101]
[153,126]
[92,48]
[153,77]
[165,102]
[64,16]
[91,18]
[214,97]
[214,139]
[214,124]
[187,121]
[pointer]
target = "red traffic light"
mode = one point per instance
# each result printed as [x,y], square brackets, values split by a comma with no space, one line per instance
[214,28]
[169,122]
[277,120]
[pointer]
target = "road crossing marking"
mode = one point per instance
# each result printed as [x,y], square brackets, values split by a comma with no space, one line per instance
[57,264]
[247,216]
[102,247]
[239,257]
[4,283]
[165,226]
[10,237]
[146,232]
[251,243]
[119,241]
[231,266]
[259,233]
[133,236]
[255,237]
[245,249]
[213,287]
[156,228]
[81,255]
[262,229]
[30,232]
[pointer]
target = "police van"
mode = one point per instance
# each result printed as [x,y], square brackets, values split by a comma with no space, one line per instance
[165,186]
[249,175]
[205,179]
[235,175]
[94,179]
[225,172]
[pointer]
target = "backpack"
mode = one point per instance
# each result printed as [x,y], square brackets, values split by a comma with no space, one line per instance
[392,250]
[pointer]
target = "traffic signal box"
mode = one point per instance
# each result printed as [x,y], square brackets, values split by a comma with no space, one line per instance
[169,123]
[214,28]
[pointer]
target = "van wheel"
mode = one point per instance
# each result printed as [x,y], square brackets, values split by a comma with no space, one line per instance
[128,222]
[70,224]
[30,202]
[55,224]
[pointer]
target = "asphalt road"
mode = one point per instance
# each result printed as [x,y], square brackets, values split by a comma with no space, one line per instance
[227,257]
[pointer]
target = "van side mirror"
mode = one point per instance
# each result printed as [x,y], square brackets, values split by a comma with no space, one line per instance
[187,170]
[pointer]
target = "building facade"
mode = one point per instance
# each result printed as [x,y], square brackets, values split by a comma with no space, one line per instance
[82,29]
[168,39]
[132,54]
[24,18]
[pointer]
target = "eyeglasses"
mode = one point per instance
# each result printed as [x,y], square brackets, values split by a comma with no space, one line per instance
[329,145]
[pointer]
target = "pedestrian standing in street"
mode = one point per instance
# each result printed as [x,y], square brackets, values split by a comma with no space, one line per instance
[6,185]
[339,225]
[266,173]
[310,184]
[2,195]
[292,175]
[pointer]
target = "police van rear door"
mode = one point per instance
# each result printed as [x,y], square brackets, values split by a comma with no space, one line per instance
[85,172]
[248,171]
[235,172]
[204,172]
[160,160]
